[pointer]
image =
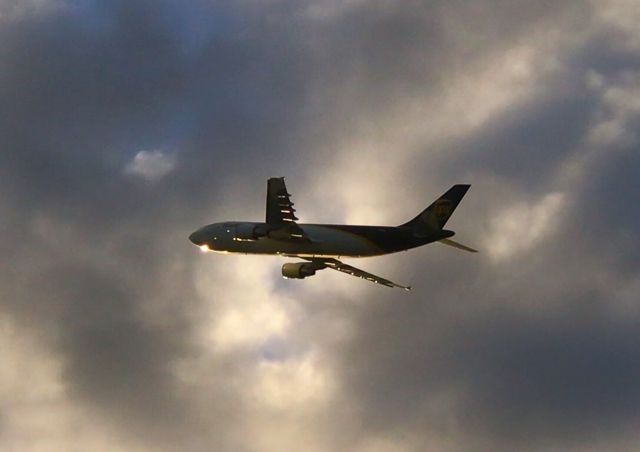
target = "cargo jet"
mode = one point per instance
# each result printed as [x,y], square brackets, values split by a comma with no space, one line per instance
[320,245]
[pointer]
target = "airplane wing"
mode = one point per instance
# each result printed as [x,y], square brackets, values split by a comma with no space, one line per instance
[280,212]
[353,271]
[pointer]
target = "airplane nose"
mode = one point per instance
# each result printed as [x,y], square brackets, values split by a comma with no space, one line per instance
[195,238]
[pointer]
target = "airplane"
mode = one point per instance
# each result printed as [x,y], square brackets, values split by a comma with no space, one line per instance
[321,245]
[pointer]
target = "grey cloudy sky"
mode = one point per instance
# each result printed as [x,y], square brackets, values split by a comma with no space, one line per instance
[125,125]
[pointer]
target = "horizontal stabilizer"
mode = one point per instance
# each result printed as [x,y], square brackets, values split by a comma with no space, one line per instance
[454,244]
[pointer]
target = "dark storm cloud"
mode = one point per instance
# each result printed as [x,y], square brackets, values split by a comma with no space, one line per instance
[530,349]
[84,97]
[386,53]
[526,144]
[80,98]
[114,358]
[515,380]
[563,380]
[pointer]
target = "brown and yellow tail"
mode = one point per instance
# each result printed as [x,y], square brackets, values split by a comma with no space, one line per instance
[431,221]
[434,217]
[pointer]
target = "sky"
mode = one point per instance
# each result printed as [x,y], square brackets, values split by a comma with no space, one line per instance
[126,125]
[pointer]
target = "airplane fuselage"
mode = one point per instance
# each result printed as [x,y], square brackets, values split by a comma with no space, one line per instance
[321,241]
[321,245]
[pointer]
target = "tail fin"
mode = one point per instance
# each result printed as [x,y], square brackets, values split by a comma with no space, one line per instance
[434,217]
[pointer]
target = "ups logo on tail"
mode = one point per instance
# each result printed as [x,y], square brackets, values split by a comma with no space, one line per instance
[442,209]
[438,213]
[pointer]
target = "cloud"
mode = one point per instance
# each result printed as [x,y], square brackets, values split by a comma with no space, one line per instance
[134,340]
[620,109]
[150,165]
[15,10]
[621,18]
[245,317]
[519,227]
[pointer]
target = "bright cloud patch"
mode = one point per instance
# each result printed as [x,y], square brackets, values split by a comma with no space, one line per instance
[244,314]
[13,9]
[293,383]
[521,226]
[619,111]
[150,165]
[623,16]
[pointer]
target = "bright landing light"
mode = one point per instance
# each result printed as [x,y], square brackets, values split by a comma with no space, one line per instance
[204,248]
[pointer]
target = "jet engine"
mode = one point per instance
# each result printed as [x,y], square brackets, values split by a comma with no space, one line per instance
[299,270]
[247,232]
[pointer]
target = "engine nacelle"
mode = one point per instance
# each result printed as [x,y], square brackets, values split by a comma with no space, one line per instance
[247,232]
[299,270]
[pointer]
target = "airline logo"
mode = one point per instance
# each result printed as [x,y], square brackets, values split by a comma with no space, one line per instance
[442,209]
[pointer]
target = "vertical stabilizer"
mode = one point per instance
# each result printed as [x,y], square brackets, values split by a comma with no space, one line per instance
[434,217]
